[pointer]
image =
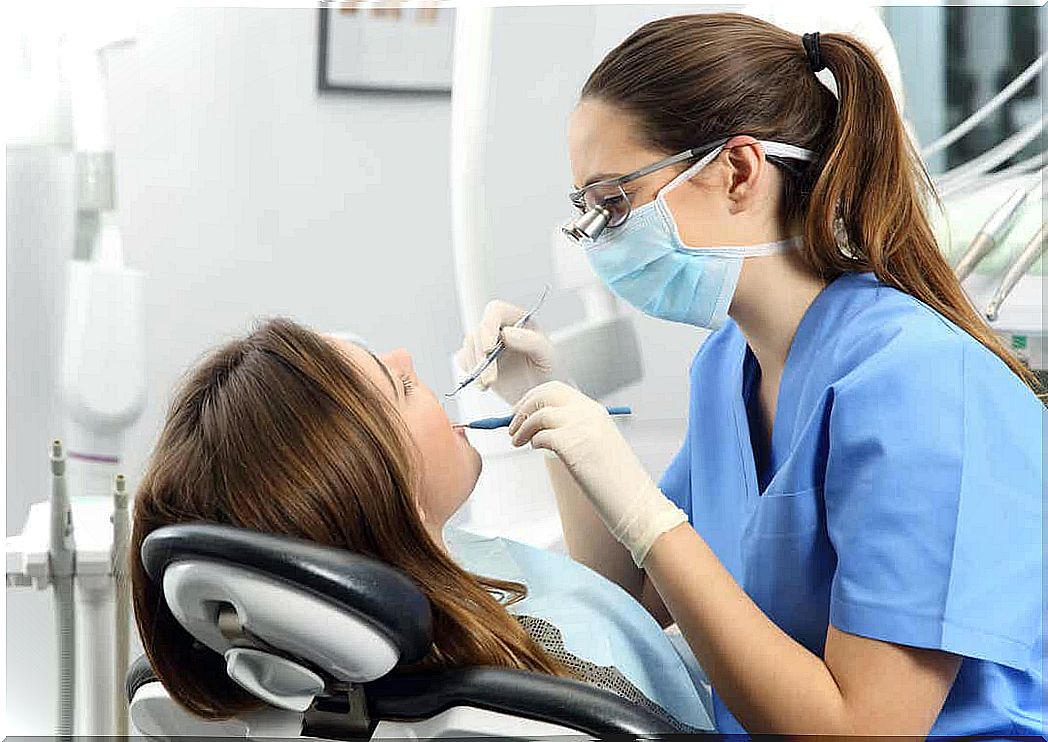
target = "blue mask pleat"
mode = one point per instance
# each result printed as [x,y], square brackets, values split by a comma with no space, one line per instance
[645,265]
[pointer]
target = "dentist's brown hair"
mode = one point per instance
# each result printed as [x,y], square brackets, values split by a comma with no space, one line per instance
[279,432]
[693,79]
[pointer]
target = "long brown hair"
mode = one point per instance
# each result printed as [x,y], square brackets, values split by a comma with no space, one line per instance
[694,79]
[279,432]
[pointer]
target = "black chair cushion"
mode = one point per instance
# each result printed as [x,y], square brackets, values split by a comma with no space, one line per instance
[381,595]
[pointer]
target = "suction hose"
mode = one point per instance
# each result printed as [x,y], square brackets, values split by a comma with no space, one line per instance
[62,560]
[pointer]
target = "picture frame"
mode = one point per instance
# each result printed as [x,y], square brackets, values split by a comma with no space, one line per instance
[385,47]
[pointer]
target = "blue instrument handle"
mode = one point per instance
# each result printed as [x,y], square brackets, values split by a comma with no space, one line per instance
[493,423]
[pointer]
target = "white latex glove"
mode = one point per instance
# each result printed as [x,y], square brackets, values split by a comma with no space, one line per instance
[583,435]
[527,360]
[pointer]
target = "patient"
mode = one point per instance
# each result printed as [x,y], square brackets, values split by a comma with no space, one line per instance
[293,433]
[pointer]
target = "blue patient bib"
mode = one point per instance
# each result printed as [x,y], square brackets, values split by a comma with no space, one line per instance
[598,620]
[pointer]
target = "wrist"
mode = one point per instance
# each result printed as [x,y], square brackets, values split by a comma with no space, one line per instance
[650,515]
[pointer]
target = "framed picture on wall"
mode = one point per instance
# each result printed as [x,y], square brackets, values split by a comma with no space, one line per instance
[385,46]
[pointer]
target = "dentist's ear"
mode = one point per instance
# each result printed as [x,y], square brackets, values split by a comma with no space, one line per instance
[745,158]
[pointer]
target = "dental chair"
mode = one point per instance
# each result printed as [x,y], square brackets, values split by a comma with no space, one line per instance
[318,634]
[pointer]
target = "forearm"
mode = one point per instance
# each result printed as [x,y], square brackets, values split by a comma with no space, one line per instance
[770,683]
[588,539]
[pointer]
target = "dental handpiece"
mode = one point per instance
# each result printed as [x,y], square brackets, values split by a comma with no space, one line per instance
[1016,270]
[992,233]
[493,423]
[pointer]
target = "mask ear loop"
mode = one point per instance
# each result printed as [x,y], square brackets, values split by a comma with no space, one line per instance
[769,148]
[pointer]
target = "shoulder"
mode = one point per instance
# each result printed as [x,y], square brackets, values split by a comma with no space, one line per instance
[878,334]
[895,360]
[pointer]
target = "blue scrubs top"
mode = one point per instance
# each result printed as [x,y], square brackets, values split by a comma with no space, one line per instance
[900,497]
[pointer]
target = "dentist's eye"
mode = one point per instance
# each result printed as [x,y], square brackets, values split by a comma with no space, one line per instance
[407,383]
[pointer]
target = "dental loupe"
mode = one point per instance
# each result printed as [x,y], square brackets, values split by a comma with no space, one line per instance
[588,226]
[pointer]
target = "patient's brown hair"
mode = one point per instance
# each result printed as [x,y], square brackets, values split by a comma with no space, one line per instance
[279,432]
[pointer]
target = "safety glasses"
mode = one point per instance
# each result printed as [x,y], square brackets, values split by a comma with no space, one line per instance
[604,204]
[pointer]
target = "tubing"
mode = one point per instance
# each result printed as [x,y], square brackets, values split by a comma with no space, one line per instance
[992,105]
[121,646]
[1023,174]
[62,560]
[963,174]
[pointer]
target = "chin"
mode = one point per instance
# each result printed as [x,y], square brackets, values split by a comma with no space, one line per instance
[475,464]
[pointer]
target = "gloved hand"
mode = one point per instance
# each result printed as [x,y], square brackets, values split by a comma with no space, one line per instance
[583,435]
[527,361]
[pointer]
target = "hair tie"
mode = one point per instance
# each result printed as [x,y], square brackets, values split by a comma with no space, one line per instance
[811,49]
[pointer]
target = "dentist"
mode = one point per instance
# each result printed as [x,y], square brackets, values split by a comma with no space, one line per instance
[850,535]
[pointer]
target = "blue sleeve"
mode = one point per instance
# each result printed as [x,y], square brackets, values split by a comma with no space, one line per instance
[933,502]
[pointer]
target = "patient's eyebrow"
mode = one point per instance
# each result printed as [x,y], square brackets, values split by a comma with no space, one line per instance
[385,370]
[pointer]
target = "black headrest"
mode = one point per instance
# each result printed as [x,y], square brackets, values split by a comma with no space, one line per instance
[378,594]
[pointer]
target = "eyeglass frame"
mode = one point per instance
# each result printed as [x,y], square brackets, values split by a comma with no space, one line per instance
[578,196]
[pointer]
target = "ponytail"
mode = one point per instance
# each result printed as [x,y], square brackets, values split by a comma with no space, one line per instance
[866,208]
[698,78]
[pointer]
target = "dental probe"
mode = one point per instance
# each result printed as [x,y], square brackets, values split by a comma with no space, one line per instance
[992,233]
[493,423]
[1015,271]
[499,347]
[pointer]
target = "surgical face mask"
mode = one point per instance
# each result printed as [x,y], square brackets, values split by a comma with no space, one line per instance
[646,263]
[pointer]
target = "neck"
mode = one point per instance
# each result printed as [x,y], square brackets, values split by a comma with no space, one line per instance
[773,294]
[436,532]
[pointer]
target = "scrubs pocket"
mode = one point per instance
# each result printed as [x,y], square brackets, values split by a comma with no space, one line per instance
[780,514]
